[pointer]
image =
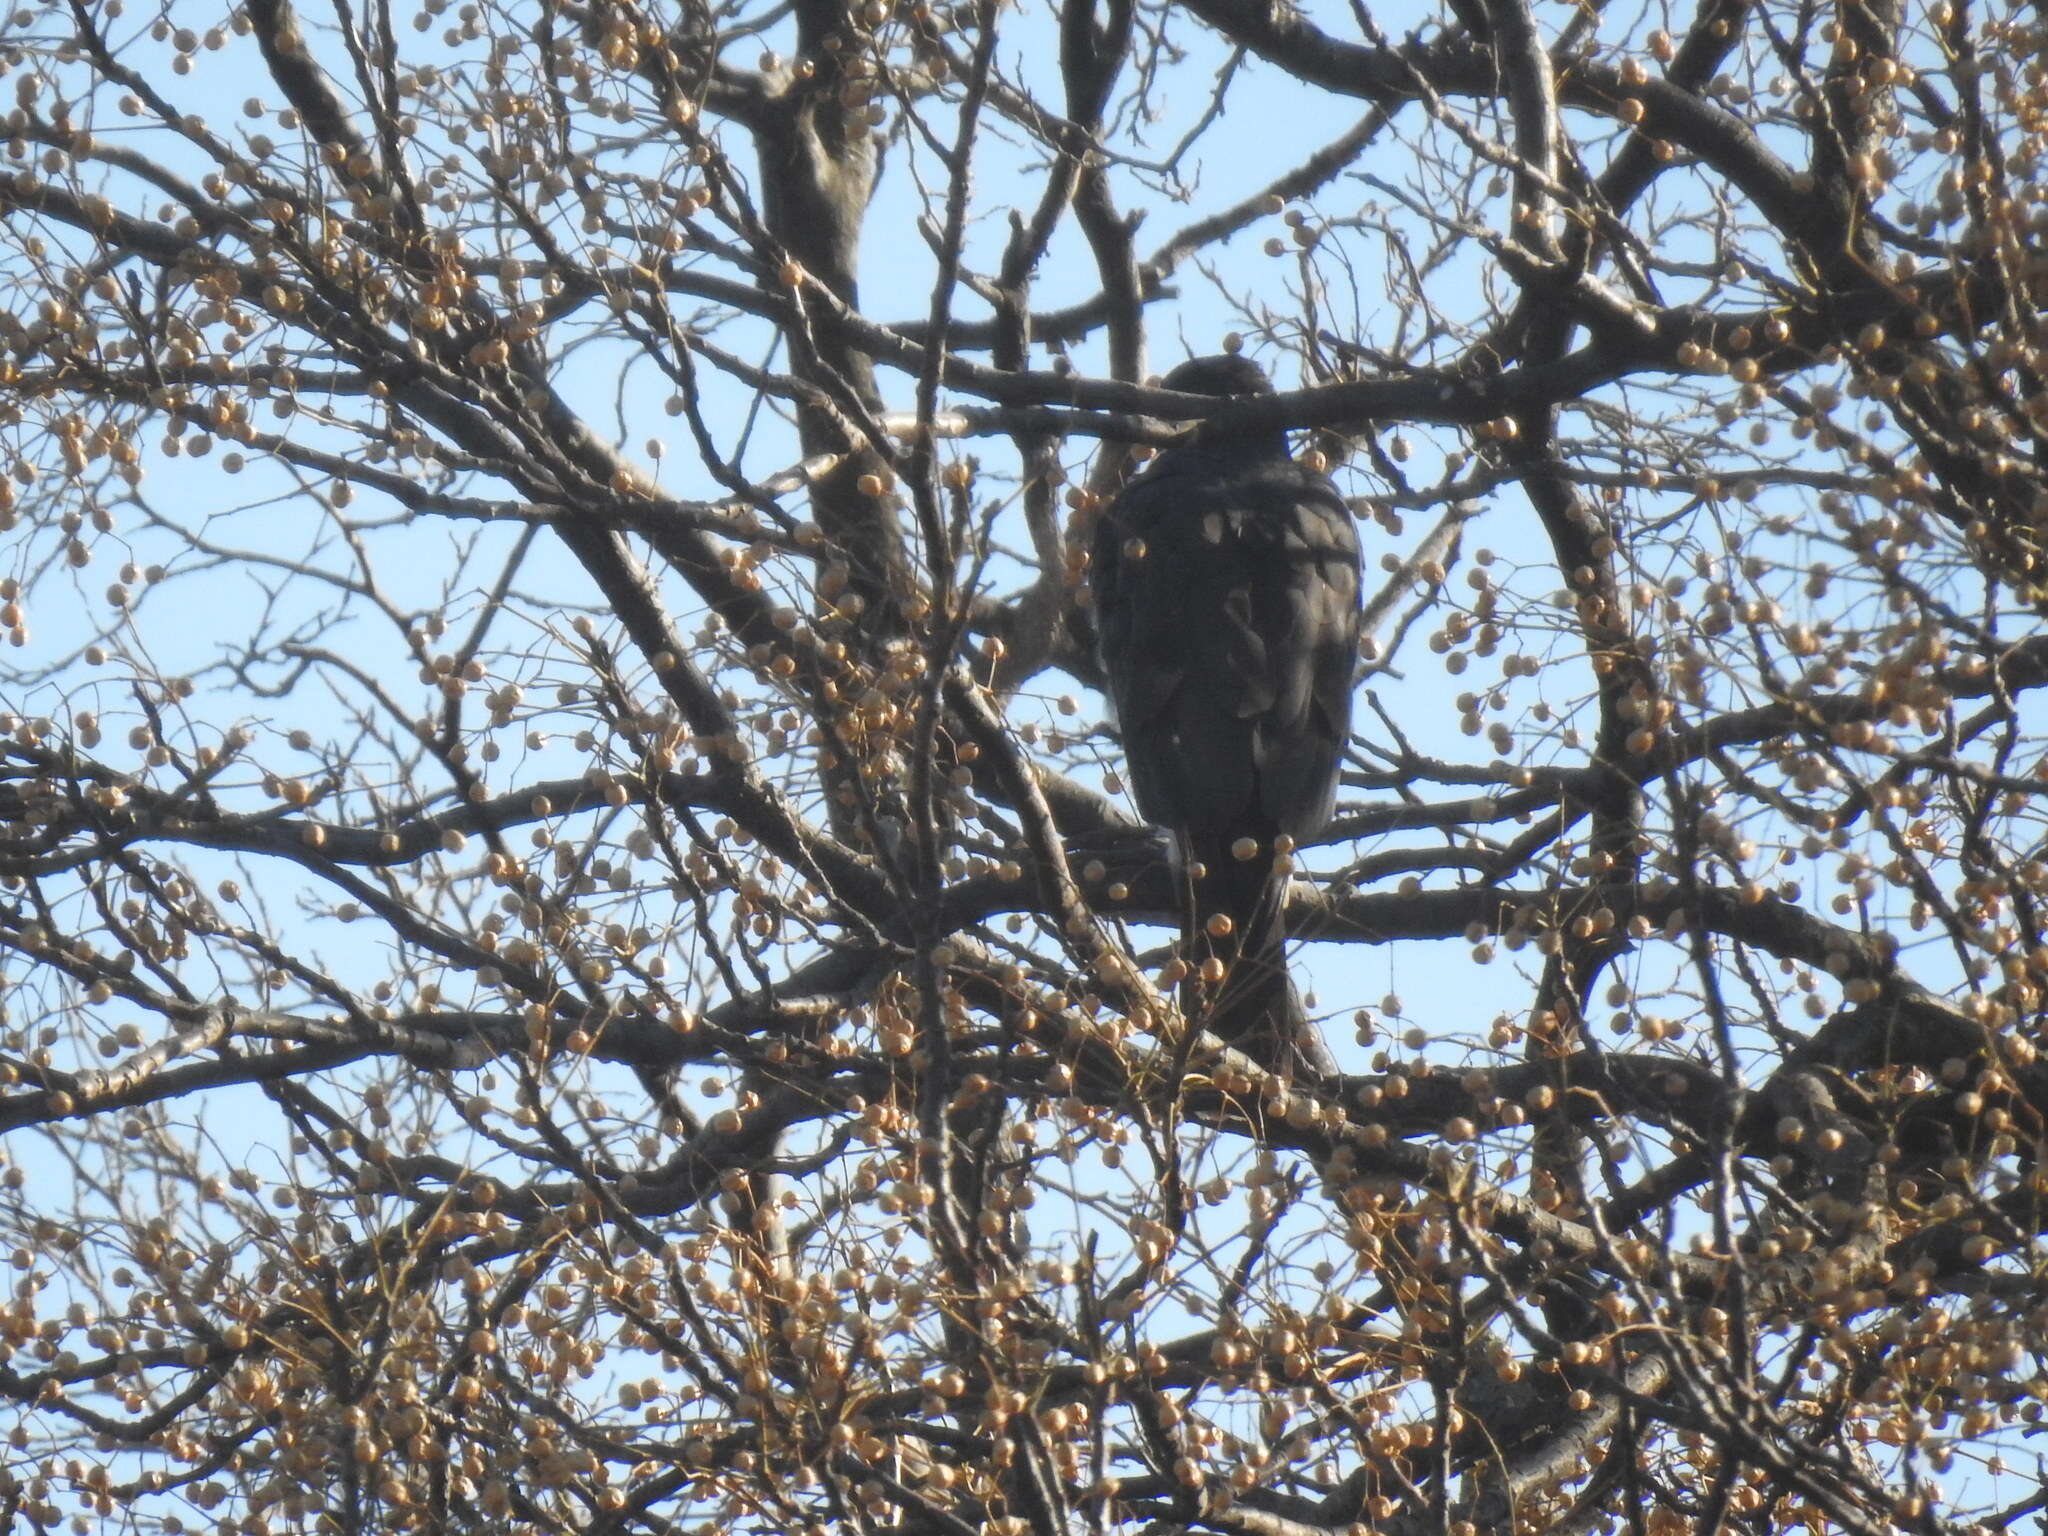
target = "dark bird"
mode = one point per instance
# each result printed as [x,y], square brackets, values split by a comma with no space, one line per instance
[1226,597]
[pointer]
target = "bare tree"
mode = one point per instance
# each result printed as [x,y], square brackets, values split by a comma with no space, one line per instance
[575,954]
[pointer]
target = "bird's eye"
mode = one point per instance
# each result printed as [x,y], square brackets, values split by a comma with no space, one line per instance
[1134,549]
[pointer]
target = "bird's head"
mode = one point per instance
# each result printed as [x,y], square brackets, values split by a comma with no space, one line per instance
[1224,374]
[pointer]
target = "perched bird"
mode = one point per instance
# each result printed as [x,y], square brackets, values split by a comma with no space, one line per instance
[1226,596]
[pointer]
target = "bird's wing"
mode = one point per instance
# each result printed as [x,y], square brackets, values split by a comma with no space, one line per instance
[1300,569]
[1131,618]
[1181,650]
[1336,621]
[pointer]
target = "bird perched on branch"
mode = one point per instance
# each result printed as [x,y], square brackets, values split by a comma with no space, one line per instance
[1226,594]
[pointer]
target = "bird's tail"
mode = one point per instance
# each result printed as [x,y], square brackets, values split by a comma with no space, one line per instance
[1235,926]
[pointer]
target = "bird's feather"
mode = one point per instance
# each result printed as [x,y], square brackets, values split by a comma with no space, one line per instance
[1227,604]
